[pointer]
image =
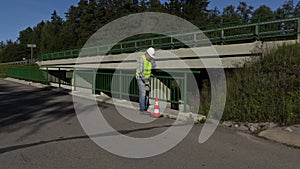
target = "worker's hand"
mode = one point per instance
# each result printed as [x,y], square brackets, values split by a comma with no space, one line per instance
[147,85]
[146,81]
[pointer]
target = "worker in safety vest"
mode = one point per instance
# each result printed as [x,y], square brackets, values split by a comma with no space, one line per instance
[145,65]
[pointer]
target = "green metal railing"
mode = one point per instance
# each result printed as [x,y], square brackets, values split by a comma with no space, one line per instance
[119,84]
[275,27]
[29,73]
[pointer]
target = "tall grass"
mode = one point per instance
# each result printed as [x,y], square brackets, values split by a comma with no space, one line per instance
[265,91]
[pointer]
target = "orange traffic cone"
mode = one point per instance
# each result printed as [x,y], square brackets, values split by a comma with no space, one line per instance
[156,112]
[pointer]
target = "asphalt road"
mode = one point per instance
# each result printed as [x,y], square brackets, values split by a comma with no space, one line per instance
[39,129]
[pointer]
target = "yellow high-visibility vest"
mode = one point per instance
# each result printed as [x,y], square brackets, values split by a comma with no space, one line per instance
[147,68]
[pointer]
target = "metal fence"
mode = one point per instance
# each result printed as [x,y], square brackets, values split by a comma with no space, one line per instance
[115,83]
[264,29]
[29,73]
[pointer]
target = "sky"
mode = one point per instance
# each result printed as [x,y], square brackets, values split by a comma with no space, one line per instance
[17,15]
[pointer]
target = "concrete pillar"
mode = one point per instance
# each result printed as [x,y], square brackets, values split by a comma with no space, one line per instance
[84,81]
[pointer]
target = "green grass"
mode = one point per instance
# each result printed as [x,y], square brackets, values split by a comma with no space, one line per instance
[266,91]
[3,71]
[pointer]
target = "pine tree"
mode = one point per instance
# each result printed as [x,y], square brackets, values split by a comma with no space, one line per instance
[195,11]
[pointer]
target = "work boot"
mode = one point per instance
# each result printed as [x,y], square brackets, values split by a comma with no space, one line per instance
[145,112]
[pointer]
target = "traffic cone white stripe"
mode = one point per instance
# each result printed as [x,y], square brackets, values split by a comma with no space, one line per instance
[156,112]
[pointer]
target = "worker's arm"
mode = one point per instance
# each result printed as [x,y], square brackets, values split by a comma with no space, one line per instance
[141,67]
[153,63]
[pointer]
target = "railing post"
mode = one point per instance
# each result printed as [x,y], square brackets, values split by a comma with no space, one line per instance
[222,35]
[37,75]
[74,79]
[257,30]
[94,81]
[185,91]
[120,84]
[135,45]
[47,75]
[59,85]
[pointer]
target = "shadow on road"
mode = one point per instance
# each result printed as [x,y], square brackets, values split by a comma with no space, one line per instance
[24,106]
[61,139]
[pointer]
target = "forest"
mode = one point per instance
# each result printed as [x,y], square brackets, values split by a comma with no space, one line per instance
[85,18]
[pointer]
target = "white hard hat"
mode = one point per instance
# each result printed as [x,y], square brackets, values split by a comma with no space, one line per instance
[151,52]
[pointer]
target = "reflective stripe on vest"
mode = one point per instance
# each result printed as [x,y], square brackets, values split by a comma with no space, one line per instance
[147,68]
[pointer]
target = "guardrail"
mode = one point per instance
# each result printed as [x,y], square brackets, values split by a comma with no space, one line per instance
[28,61]
[31,74]
[15,63]
[287,27]
[117,83]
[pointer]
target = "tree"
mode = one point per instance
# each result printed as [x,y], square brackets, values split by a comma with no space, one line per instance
[36,36]
[195,11]
[297,8]
[230,15]
[50,34]
[25,36]
[46,38]
[286,8]
[2,46]
[54,28]
[55,19]
[244,11]
[174,7]
[87,21]
[214,16]
[262,12]
[155,6]
[142,6]
[71,28]
[13,52]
